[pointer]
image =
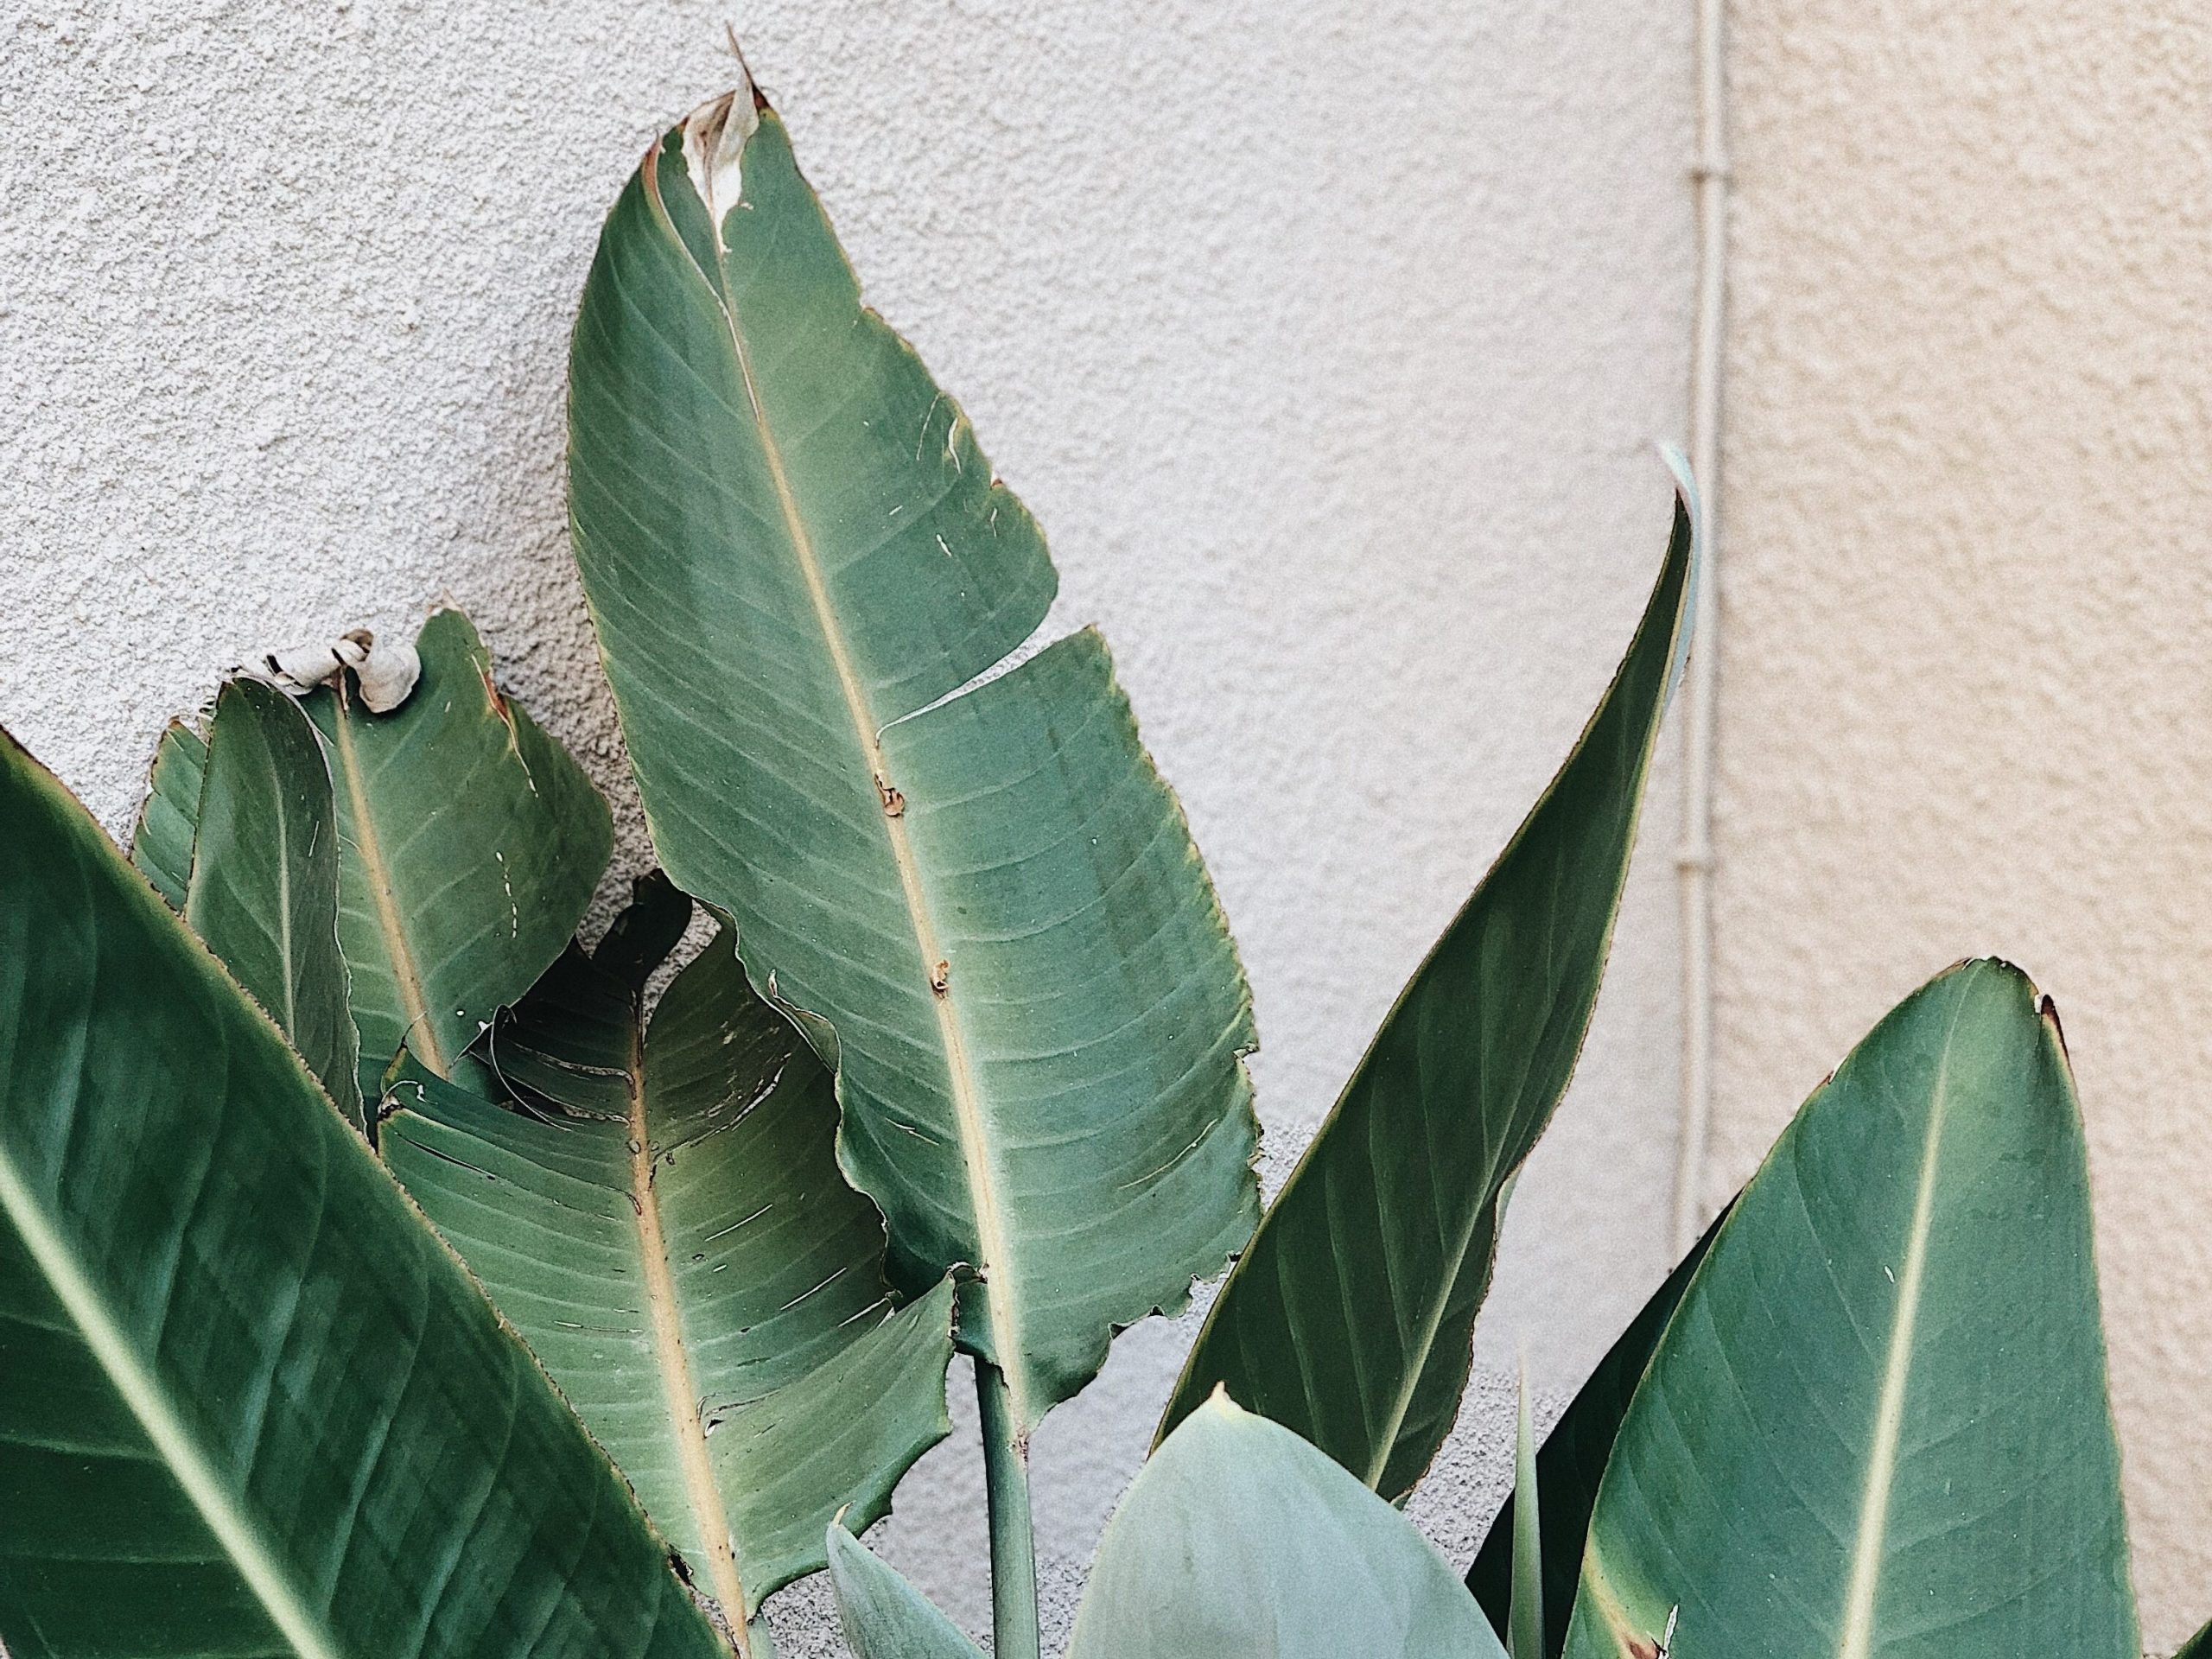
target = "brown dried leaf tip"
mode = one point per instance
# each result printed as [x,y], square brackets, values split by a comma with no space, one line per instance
[2049,1010]
[386,674]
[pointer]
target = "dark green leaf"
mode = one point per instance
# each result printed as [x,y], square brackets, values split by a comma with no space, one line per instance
[679,1249]
[472,846]
[2198,1646]
[1876,1425]
[648,930]
[249,1405]
[1571,1465]
[796,554]
[1238,1538]
[1350,1318]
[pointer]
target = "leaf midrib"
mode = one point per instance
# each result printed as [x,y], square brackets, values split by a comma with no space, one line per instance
[672,1360]
[1856,1641]
[420,1032]
[1433,1323]
[968,1113]
[142,1396]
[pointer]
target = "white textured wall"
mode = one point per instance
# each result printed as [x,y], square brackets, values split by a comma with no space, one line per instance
[1968,609]
[1328,339]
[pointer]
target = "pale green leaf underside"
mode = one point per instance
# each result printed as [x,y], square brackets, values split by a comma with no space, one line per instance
[263,891]
[1239,1538]
[249,1405]
[813,1393]
[1350,1318]
[884,1617]
[161,846]
[470,845]
[793,546]
[1877,1426]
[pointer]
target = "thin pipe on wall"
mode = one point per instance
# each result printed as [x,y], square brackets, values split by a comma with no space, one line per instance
[1695,857]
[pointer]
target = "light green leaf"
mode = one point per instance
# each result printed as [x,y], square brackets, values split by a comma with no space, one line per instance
[1571,1465]
[472,843]
[1876,1425]
[263,887]
[249,1405]
[885,1617]
[1524,1619]
[1350,1318]
[679,1249]
[988,909]
[162,845]
[1237,1537]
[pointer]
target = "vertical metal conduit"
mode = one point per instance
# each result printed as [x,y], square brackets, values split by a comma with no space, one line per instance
[1694,859]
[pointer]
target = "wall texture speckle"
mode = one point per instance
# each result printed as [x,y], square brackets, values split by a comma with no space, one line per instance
[1968,609]
[1328,339]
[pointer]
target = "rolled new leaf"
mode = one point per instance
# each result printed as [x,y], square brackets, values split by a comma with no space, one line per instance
[260,884]
[248,1403]
[1350,1318]
[1524,1612]
[1878,1423]
[472,843]
[1237,1537]
[885,1617]
[678,1246]
[981,901]
[1571,1465]
[161,846]
[262,889]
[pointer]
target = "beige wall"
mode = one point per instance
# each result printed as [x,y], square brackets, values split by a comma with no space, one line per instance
[1328,339]
[1967,608]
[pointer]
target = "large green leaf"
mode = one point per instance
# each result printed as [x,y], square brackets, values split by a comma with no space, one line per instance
[679,1249]
[162,845]
[1571,1463]
[263,887]
[795,555]
[885,1617]
[1237,1537]
[1876,1425]
[249,1404]
[1350,1318]
[472,843]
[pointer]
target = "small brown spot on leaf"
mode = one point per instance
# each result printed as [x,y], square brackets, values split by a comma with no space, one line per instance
[894,803]
[941,977]
[491,694]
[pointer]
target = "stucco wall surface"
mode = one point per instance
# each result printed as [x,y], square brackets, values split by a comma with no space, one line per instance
[1968,609]
[1328,339]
